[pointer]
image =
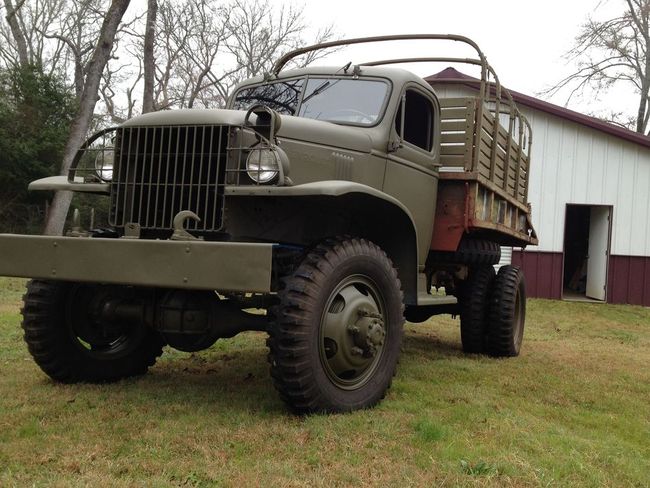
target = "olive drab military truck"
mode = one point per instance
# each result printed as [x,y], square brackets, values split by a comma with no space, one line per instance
[341,201]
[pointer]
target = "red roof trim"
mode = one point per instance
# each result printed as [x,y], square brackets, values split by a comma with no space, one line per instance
[451,75]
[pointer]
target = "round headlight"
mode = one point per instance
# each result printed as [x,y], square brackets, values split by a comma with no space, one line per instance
[262,165]
[104,164]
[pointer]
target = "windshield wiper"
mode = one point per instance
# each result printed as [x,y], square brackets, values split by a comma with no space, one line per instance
[318,90]
[326,84]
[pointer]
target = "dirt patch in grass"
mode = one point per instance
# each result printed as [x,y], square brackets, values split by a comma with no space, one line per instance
[570,411]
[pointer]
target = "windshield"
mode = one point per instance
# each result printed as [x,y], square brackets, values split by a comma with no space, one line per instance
[345,101]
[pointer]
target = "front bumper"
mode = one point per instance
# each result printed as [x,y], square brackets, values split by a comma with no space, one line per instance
[222,266]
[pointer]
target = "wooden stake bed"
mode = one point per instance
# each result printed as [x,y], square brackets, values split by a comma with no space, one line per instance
[490,165]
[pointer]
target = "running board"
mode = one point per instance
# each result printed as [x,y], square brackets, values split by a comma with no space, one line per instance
[426,299]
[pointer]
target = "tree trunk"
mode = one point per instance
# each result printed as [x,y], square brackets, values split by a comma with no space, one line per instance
[19,37]
[149,62]
[81,122]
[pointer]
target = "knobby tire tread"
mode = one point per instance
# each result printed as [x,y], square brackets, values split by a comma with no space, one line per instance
[474,305]
[502,323]
[49,342]
[289,354]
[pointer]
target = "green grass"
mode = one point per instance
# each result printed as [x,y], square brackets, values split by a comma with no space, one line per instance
[572,410]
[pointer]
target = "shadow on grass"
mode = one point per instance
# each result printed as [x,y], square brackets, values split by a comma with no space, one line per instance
[235,383]
[432,345]
[180,384]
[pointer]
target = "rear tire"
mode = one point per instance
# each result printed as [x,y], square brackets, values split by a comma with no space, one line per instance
[337,331]
[507,313]
[70,346]
[470,251]
[474,303]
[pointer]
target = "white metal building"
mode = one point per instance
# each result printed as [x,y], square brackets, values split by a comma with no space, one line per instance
[590,195]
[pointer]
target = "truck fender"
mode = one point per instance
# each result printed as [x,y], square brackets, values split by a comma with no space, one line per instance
[323,209]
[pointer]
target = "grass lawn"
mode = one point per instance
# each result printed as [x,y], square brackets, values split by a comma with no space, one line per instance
[572,410]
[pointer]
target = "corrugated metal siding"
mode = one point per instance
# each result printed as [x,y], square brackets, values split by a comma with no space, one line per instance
[628,277]
[572,163]
[506,257]
[542,271]
[629,280]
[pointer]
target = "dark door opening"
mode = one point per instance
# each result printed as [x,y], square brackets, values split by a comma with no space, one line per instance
[586,251]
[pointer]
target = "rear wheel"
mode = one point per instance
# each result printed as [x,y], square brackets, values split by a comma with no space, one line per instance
[470,251]
[474,301]
[337,332]
[70,343]
[507,313]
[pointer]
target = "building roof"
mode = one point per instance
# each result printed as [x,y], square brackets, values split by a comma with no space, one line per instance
[451,75]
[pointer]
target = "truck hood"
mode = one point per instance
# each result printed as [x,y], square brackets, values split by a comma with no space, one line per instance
[295,128]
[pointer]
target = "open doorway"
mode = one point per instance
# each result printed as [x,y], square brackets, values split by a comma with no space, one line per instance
[586,251]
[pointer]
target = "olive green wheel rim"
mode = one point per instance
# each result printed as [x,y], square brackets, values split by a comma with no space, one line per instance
[352,332]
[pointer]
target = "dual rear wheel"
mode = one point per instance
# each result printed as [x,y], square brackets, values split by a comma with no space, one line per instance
[493,311]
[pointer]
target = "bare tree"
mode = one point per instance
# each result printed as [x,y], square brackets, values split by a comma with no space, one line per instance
[149,60]
[16,31]
[613,52]
[115,79]
[259,34]
[191,37]
[204,47]
[78,31]
[87,101]
[22,39]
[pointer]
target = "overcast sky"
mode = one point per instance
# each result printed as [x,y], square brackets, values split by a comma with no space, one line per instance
[523,40]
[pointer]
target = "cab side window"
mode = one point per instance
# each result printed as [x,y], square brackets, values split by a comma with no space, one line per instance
[418,121]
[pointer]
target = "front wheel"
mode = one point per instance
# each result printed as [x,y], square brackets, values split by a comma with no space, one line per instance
[69,341]
[337,332]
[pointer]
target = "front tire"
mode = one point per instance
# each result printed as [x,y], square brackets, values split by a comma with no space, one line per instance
[336,337]
[71,345]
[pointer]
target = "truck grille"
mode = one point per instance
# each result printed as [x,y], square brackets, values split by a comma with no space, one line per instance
[160,171]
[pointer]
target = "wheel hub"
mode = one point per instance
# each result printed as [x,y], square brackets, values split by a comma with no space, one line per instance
[353,332]
[368,333]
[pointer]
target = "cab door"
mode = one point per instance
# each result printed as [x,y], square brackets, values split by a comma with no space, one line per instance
[412,161]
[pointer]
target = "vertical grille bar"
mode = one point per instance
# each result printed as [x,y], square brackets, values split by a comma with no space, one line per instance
[166,181]
[151,168]
[220,171]
[142,159]
[173,182]
[184,167]
[192,165]
[131,175]
[208,175]
[160,170]
[201,191]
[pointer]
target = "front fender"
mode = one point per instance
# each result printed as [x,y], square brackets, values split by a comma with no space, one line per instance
[307,213]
